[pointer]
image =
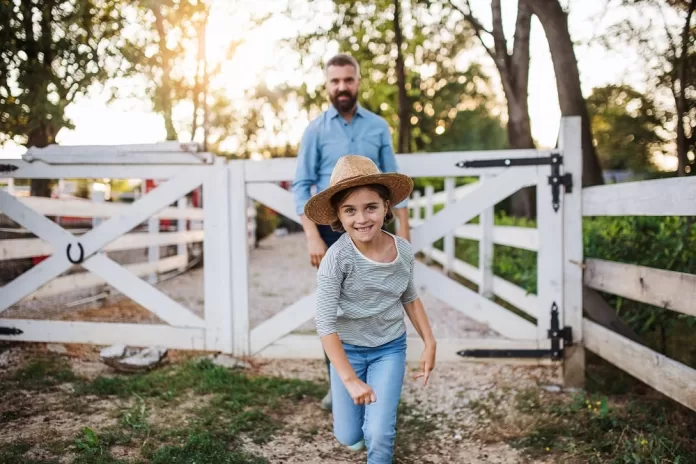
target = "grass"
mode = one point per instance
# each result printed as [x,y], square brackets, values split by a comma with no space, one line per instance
[229,406]
[592,426]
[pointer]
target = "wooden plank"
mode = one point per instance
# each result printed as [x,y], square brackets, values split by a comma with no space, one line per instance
[443,164]
[508,291]
[665,375]
[19,248]
[87,209]
[139,291]
[137,158]
[449,238]
[181,248]
[217,280]
[443,197]
[505,322]
[486,223]
[157,147]
[549,256]
[303,346]
[31,280]
[41,170]
[660,197]
[156,200]
[38,224]
[570,142]
[275,197]
[429,210]
[483,196]
[86,279]
[239,258]
[526,238]
[413,165]
[105,333]
[671,290]
[282,323]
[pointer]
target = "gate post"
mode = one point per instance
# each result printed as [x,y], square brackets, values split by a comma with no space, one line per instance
[570,142]
[239,257]
[217,278]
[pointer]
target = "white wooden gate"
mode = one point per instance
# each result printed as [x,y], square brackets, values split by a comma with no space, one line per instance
[183,171]
[559,259]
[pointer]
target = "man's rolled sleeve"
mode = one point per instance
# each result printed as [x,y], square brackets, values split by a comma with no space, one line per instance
[306,171]
[388,159]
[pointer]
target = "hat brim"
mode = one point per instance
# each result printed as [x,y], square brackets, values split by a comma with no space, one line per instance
[318,208]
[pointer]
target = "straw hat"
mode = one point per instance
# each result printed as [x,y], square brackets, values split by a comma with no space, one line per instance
[354,171]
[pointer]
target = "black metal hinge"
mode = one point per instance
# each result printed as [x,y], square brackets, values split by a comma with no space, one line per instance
[8,167]
[556,179]
[555,333]
[10,331]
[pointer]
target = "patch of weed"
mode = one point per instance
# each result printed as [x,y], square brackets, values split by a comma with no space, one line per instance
[41,373]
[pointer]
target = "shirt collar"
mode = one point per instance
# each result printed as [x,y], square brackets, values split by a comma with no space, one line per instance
[333,112]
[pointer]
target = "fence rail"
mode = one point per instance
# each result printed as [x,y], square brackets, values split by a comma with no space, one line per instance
[671,290]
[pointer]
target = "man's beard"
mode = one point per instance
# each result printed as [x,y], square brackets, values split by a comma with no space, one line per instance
[344,105]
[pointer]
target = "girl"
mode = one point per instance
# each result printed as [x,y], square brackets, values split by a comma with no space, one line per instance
[364,284]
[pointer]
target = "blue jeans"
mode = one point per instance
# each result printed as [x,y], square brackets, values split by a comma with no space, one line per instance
[382,368]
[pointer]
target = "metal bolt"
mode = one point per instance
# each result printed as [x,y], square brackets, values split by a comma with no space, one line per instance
[507,162]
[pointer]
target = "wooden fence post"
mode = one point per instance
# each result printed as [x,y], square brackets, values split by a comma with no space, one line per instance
[239,257]
[182,249]
[429,210]
[570,142]
[486,220]
[449,247]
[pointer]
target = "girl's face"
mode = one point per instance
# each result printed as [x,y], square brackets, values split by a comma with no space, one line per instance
[362,214]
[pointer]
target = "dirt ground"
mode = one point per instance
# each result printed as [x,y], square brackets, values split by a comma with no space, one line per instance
[449,426]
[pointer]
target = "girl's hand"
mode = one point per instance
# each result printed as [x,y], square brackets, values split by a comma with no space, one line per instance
[361,392]
[427,363]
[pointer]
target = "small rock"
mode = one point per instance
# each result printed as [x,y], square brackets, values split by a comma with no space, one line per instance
[230,362]
[67,388]
[113,351]
[5,359]
[281,232]
[125,359]
[144,360]
[552,388]
[57,348]
[457,437]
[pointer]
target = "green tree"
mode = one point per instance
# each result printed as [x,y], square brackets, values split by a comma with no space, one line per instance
[625,127]
[52,52]
[436,89]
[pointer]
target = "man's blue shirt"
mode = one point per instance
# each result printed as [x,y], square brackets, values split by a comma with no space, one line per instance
[329,137]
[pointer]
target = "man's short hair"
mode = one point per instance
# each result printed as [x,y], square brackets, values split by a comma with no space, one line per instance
[343,59]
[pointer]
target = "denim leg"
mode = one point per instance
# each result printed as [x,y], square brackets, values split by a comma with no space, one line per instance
[347,416]
[385,374]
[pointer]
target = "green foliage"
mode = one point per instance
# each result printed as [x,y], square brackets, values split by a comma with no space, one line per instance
[449,106]
[595,429]
[625,126]
[52,52]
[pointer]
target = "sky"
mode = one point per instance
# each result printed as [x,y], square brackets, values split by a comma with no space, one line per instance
[125,121]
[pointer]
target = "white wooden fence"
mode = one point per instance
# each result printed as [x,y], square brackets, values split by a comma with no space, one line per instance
[671,290]
[227,186]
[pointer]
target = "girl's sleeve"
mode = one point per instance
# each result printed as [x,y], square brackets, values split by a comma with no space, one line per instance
[411,293]
[329,280]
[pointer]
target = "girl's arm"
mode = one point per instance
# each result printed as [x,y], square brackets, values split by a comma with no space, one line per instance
[416,313]
[358,390]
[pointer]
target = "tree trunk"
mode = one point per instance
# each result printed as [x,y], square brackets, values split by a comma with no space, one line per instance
[403,145]
[206,117]
[555,23]
[166,93]
[680,95]
[41,137]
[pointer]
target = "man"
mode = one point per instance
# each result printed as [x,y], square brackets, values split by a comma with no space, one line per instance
[345,128]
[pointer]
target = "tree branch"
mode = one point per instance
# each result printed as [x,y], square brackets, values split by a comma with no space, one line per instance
[476,24]
[499,35]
